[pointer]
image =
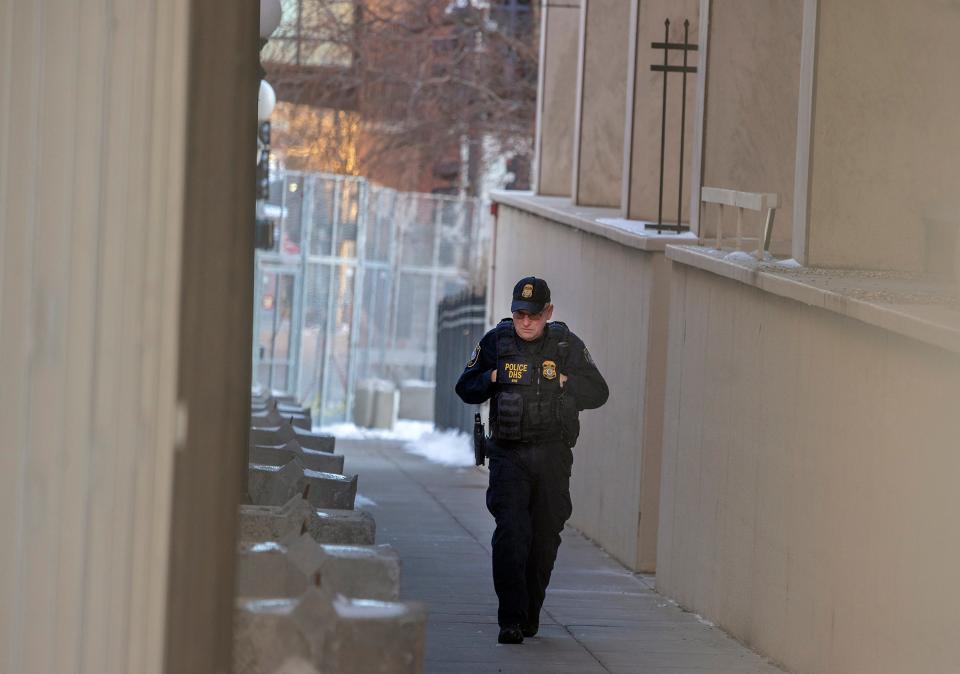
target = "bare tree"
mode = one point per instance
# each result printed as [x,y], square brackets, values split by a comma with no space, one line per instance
[430,81]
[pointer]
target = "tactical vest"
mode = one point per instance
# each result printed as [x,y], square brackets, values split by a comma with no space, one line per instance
[528,401]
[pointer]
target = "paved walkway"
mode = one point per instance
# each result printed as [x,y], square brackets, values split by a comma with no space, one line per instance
[598,617]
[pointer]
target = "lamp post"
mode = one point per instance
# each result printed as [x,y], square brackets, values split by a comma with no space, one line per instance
[271,13]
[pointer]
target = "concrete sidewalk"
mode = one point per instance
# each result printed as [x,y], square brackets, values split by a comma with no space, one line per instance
[598,617]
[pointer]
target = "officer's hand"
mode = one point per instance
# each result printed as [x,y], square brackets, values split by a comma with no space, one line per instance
[493,376]
[563,380]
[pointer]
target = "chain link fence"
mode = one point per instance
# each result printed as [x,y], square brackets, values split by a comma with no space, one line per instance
[351,288]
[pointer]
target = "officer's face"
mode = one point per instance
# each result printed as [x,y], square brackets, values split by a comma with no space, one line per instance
[530,326]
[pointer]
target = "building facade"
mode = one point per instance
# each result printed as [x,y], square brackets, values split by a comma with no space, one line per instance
[778,445]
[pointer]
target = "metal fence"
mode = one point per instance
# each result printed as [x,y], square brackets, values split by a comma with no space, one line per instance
[351,288]
[461,322]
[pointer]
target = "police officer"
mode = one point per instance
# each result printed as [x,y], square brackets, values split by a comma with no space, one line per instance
[538,376]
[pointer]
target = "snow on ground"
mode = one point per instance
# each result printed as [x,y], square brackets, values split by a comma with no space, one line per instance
[403,430]
[361,501]
[447,448]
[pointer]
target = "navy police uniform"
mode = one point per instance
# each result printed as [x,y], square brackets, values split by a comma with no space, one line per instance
[534,424]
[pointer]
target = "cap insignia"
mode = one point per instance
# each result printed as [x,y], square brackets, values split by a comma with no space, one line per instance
[527,291]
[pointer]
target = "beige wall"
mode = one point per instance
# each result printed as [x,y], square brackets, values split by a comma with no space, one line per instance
[648,112]
[884,185]
[557,104]
[753,83]
[126,219]
[614,298]
[603,85]
[93,101]
[809,482]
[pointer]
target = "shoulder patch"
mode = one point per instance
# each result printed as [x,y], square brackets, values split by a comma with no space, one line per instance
[587,357]
[474,357]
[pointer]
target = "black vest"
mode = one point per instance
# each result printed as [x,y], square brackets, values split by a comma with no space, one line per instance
[526,405]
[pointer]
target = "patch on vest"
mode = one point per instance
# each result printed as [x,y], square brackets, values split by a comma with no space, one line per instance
[527,291]
[474,357]
[587,357]
[515,373]
[549,369]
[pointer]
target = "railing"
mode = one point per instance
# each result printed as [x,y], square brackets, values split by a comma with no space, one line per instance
[461,322]
[753,201]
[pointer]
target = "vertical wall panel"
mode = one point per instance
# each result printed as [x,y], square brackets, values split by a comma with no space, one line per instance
[558,88]
[92,97]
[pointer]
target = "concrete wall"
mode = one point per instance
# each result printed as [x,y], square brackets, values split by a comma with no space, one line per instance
[558,91]
[809,482]
[603,86]
[884,189]
[607,294]
[750,126]
[647,109]
[93,104]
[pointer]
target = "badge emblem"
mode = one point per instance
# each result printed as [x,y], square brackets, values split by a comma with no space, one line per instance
[527,292]
[474,357]
[549,369]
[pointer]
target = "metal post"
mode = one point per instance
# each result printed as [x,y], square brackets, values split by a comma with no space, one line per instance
[683,117]
[663,121]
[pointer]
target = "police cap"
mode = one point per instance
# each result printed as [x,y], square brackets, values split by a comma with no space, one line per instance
[531,294]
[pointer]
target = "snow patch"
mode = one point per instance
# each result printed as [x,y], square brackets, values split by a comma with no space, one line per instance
[448,448]
[702,620]
[361,501]
[404,429]
[740,256]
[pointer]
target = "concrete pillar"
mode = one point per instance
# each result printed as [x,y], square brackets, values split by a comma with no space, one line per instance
[876,184]
[749,134]
[556,96]
[641,166]
[601,90]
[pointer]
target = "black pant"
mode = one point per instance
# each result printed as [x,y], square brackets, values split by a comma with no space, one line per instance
[529,496]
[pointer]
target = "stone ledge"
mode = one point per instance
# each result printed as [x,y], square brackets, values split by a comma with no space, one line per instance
[908,305]
[603,222]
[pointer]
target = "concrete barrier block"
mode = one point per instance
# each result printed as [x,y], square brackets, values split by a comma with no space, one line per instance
[329,490]
[296,665]
[397,630]
[266,634]
[274,523]
[367,572]
[277,455]
[275,485]
[322,462]
[272,435]
[416,400]
[385,405]
[335,636]
[343,527]
[375,404]
[267,570]
[319,442]
[279,523]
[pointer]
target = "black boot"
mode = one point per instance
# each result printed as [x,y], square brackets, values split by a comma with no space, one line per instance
[530,629]
[510,634]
